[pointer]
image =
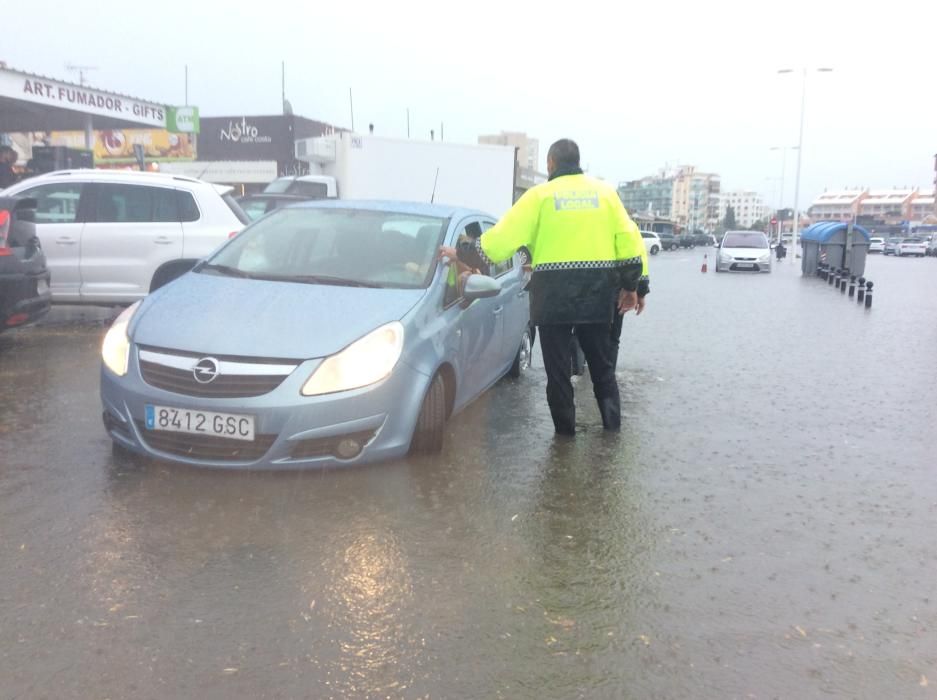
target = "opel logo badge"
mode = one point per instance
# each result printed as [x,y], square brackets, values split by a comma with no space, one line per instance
[205,370]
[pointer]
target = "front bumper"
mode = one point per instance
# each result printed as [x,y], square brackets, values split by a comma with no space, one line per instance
[291,431]
[733,265]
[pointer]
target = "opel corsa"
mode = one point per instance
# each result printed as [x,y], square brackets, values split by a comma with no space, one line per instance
[323,334]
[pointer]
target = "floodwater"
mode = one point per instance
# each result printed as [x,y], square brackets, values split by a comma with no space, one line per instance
[763,527]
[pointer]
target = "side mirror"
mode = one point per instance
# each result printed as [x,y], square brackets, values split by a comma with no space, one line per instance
[480,287]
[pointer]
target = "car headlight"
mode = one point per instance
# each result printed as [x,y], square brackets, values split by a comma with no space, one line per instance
[365,361]
[115,350]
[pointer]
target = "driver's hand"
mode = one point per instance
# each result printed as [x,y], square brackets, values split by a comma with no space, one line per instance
[626,301]
[448,253]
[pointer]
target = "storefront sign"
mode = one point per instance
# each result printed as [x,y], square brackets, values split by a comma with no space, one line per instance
[20,86]
[116,145]
[182,120]
[246,138]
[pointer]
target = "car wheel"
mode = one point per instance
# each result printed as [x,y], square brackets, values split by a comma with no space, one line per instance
[522,359]
[428,434]
[655,250]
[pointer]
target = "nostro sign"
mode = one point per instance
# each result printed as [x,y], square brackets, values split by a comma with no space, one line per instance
[182,120]
[20,86]
[244,132]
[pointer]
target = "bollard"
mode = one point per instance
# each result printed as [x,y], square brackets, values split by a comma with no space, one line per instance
[861,296]
[868,294]
[852,286]
[843,281]
[822,272]
[833,275]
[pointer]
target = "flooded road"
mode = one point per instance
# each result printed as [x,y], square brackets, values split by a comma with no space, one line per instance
[763,527]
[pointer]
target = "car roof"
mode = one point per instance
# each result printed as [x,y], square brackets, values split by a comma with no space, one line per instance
[126,175]
[130,176]
[396,207]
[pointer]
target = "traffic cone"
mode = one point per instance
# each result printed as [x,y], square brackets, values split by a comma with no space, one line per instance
[704,264]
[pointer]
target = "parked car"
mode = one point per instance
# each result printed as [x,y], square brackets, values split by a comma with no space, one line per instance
[113,236]
[686,240]
[324,334]
[891,245]
[668,241]
[876,244]
[746,251]
[651,242]
[256,205]
[911,246]
[705,239]
[24,276]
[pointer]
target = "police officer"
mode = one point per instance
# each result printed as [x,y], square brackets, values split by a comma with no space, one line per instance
[588,258]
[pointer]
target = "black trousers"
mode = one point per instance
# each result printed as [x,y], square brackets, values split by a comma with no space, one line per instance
[601,353]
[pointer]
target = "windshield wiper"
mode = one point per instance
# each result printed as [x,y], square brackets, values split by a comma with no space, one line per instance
[322,279]
[225,270]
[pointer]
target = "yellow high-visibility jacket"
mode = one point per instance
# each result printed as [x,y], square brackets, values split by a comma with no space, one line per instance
[583,244]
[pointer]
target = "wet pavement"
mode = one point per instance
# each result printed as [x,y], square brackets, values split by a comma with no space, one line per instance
[764,526]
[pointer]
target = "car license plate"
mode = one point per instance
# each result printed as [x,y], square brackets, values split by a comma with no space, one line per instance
[181,420]
[748,265]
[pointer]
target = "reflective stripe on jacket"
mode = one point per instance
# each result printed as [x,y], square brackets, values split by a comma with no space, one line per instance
[583,244]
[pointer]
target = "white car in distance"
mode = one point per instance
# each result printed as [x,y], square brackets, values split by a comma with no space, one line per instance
[911,246]
[651,242]
[113,236]
[744,251]
[876,245]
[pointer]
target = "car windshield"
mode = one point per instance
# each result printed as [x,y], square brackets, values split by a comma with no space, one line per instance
[912,240]
[335,246]
[253,207]
[745,240]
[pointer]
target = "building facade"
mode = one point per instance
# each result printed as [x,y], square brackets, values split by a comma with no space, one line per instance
[695,199]
[749,207]
[528,149]
[649,195]
[887,207]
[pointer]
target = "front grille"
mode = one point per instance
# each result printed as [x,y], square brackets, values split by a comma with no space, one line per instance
[207,447]
[181,381]
[325,447]
[237,377]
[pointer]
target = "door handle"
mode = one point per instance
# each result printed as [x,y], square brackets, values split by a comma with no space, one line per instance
[522,293]
[498,310]
[162,240]
[65,241]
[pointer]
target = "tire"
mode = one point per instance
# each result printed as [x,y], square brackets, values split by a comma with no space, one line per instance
[522,359]
[428,434]
[655,250]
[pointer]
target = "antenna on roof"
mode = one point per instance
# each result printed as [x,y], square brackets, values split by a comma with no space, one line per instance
[432,197]
[81,70]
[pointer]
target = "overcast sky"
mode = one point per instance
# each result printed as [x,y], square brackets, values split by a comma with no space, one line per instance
[637,85]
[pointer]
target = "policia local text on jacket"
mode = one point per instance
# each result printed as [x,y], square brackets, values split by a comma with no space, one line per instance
[584,248]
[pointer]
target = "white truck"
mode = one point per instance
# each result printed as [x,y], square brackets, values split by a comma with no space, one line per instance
[357,166]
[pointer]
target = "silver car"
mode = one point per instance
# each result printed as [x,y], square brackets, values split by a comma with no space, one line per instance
[323,334]
[744,251]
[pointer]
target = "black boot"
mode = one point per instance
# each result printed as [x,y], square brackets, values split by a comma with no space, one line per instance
[610,409]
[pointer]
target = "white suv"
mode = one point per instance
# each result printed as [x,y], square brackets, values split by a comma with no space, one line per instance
[113,236]
[651,242]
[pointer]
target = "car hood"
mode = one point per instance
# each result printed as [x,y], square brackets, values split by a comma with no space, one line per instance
[215,315]
[745,252]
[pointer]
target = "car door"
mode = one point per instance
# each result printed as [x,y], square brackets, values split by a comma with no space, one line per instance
[131,230]
[59,226]
[516,303]
[478,328]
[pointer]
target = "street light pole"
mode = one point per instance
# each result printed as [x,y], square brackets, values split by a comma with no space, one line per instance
[800,151]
